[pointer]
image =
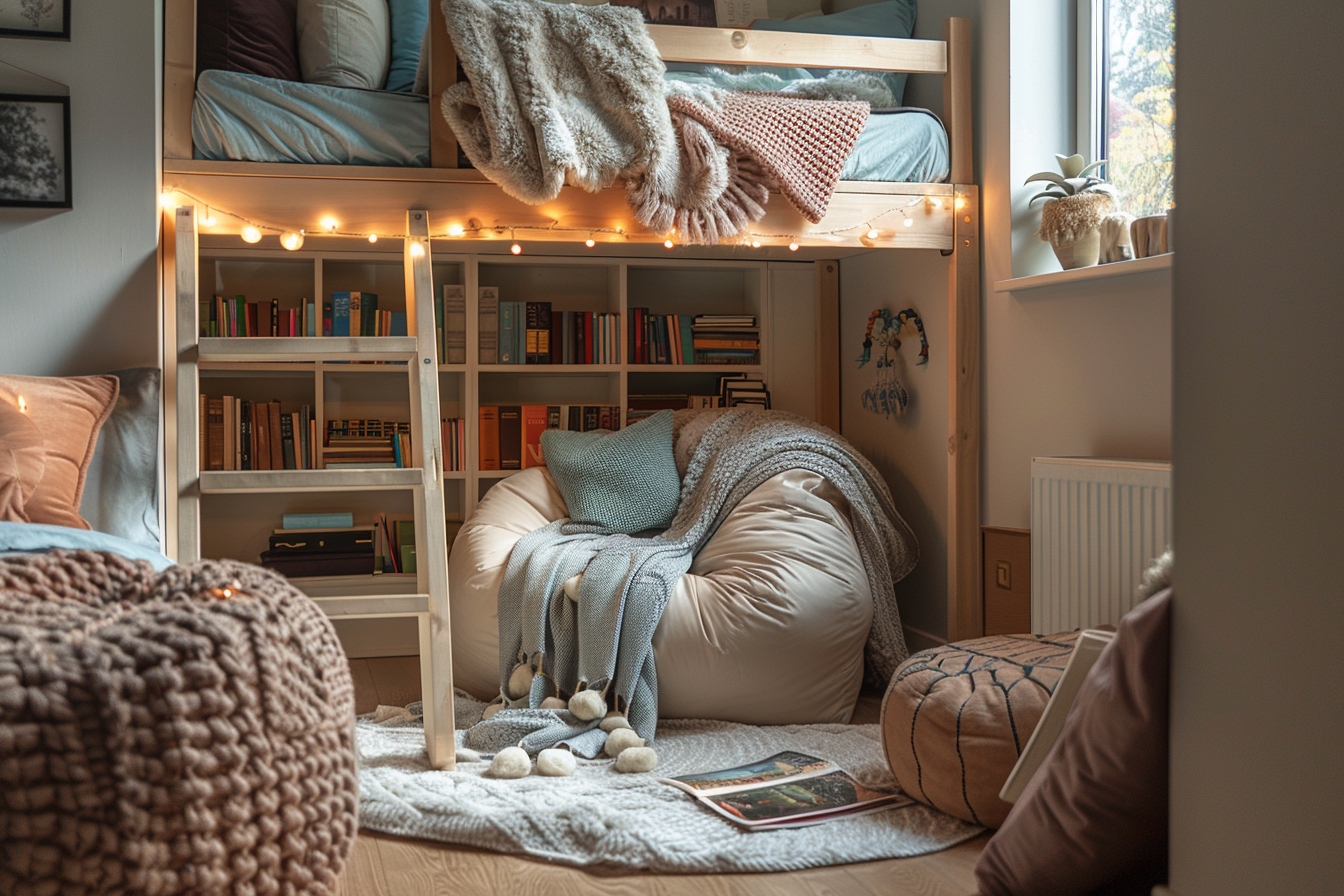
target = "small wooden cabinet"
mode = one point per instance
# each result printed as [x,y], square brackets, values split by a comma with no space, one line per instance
[1006,579]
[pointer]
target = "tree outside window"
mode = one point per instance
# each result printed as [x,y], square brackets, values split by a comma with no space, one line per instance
[1139,41]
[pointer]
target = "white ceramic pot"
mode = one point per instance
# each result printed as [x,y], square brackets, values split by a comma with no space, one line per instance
[1081,253]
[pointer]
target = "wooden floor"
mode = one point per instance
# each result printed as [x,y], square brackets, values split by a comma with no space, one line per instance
[390,866]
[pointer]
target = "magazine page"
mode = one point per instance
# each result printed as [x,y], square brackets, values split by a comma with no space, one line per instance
[800,801]
[784,766]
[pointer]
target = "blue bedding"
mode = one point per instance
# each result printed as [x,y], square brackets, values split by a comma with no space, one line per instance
[38,538]
[251,118]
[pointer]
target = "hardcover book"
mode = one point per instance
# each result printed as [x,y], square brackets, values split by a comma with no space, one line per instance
[487,337]
[536,420]
[454,324]
[510,437]
[508,333]
[489,437]
[340,314]
[318,520]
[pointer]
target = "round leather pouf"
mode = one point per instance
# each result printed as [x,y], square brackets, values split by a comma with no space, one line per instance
[955,718]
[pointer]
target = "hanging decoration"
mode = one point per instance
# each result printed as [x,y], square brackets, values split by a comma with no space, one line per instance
[888,396]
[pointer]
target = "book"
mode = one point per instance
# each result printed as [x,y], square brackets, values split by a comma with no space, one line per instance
[487,335]
[454,324]
[353,540]
[318,563]
[535,421]
[508,333]
[510,437]
[262,422]
[311,521]
[488,433]
[277,447]
[214,440]
[537,316]
[788,789]
[368,315]
[340,314]
[287,456]
[1086,649]
[356,314]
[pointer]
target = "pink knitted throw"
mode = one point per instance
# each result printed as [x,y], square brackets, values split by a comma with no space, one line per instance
[800,144]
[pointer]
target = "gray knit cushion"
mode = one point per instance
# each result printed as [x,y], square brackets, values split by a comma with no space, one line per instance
[620,482]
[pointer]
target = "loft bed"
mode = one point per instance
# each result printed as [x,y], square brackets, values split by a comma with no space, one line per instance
[461,205]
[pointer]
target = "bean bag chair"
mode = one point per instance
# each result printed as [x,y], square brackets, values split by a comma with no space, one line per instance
[767,628]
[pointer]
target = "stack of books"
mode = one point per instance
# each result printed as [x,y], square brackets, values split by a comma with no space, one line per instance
[510,435]
[641,406]
[237,434]
[367,445]
[726,339]
[453,431]
[533,333]
[347,313]
[738,389]
[322,544]
[660,338]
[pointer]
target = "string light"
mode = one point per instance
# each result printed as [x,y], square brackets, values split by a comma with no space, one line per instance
[909,222]
[251,234]
[755,244]
[330,224]
[872,233]
[292,240]
[166,199]
[455,230]
[668,244]
[209,219]
[417,249]
[373,237]
[590,242]
[793,247]
[960,203]
[516,248]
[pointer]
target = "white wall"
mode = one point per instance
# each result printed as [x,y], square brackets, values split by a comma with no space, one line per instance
[1257,708]
[78,289]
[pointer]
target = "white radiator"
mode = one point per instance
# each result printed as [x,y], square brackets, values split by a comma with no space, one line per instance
[1096,525]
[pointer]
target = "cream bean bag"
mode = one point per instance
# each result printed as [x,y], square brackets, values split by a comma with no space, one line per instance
[767,628]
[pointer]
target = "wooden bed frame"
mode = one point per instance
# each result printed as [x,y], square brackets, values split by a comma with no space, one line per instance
[945,216]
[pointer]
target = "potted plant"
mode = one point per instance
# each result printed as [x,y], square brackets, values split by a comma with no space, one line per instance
[1076,204]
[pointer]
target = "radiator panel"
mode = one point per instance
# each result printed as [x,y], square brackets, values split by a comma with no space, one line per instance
[1096,525]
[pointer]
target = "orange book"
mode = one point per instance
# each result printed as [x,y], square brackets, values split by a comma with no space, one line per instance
[489,437]
[534,424]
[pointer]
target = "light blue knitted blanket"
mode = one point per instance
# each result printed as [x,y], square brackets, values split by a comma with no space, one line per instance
[604,639]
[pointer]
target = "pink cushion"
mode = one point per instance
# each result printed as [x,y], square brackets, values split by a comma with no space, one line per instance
[1095,814]
[22,460]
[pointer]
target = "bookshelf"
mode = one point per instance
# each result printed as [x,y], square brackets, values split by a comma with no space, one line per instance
[231,513]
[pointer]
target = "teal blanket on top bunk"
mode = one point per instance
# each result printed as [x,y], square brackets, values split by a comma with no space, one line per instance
[251,118]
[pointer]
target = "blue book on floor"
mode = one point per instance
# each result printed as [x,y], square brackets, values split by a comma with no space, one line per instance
[318,520]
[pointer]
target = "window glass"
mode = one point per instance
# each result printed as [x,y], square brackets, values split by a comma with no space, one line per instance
[1139,63]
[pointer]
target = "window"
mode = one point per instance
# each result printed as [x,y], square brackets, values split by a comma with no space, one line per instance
[1126,109]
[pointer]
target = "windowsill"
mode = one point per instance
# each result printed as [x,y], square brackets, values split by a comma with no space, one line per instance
[1080,275]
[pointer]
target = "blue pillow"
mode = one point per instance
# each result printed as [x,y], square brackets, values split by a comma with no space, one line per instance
[409,20]
[623,481]
[38,538]
[894,18]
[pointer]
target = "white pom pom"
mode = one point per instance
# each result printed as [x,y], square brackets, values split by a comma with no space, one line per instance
[520,681]
[636,759]
[620,740]
[553,703]
[491,710]
[556,763]
[465,755]
[511,762]
[588,705]
[614,720]
[571,587]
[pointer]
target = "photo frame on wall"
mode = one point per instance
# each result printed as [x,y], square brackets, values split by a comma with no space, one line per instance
[48,19]
[34,151]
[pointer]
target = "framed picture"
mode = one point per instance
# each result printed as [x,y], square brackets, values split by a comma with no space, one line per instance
[34,151]
[35,18]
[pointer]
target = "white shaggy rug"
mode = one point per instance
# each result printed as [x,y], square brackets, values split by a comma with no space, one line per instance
[602,817]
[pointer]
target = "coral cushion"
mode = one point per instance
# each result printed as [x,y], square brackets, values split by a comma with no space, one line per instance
[1095,813]
[68,412]
[22,461]
[955,718]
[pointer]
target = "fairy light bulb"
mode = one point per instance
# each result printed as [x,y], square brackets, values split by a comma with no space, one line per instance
[793,247]
[909,222]
[330,224]
[23,405]
[936,203]
[755,244]
[373,237]
[209,219]
[455,230]
[251,234]
[516,249]
[959,204]
[417,249]
[292,240]
[668,244]
[590,242]
[872,233]
[166,199]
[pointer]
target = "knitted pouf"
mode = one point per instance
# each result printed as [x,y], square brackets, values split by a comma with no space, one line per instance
[191,731]
[955,718]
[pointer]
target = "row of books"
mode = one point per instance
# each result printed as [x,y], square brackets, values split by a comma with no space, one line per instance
[453,431]
[510,435]
[237,434]
[363,444]
[532,333]
[734,389]
[345,314]
[726,339]
[702,339]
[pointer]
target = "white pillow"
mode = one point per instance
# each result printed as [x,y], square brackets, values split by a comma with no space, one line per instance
[344,43]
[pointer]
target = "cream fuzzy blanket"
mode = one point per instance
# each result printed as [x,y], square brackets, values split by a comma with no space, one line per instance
[561,93]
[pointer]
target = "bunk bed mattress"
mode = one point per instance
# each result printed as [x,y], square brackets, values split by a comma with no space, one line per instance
[250,118]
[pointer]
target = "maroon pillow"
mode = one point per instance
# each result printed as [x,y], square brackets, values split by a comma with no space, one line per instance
[1095,814]
[257,37]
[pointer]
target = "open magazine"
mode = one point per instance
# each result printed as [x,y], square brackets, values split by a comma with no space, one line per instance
[785,790]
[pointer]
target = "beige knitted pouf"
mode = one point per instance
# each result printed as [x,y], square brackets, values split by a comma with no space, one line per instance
[955,718]
[186,732]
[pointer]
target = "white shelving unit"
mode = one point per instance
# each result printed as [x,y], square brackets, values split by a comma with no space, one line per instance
[231,513]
